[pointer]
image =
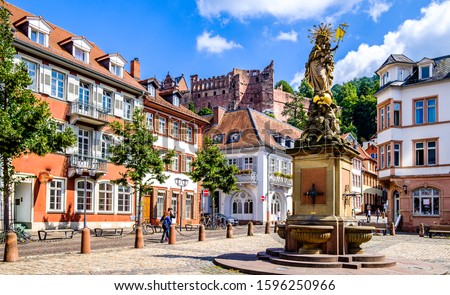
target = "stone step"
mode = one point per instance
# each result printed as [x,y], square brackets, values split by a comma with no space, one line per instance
[274,251]
[362,258]
[308,257]
[310,264]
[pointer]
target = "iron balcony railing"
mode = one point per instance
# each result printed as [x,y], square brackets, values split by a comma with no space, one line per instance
[87,110]
[246,178]
[280,180]
[87,162]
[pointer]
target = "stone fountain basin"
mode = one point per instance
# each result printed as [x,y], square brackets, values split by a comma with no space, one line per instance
[311,233]
[281,231]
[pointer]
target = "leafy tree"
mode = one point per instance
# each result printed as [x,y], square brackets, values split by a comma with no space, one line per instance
[286,87]
[305,89]
[364,114]
[191,106]
[211,167]
[295,112]
[26,122]
[137,153]
[205,111]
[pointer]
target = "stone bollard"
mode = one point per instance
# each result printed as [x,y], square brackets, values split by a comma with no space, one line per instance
[11,250]
[86,241]
[250,229]
[201,233]
[229,231]
[275,227]
[392,229]
[267,227]
[172,235]
[421,230]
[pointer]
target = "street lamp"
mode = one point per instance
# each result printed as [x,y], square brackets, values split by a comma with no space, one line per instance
[181,183]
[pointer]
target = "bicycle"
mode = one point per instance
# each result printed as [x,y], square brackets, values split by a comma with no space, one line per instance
[22,236]
[213,223]
[147,227]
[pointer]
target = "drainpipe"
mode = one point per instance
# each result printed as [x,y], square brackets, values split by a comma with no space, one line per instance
[268,183]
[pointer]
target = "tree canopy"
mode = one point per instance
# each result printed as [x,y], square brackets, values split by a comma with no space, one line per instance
[205,111]
[286,87]
[26,122]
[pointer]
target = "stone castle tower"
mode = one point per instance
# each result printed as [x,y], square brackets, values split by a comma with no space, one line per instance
[237,90]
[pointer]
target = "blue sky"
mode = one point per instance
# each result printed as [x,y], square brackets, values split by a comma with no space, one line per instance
[211,37]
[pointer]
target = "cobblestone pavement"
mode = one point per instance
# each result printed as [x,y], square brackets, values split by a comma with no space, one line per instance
[188,255]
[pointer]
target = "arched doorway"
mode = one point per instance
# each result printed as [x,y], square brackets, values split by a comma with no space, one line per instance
[275,206]
[242,206]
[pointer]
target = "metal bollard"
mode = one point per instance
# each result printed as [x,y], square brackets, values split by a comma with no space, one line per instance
[250,229]
[267,228]
[201,233]
[229,231]
[172,235]
[275,227]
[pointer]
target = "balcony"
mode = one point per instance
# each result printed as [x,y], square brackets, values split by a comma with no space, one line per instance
[79,112]
[78,164]
[247,178]
[280,180]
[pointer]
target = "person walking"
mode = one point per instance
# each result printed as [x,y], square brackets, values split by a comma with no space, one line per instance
[378,213]
[166,222]
[368,215]
[278,216]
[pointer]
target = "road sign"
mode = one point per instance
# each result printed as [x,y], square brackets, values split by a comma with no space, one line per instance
[206,193]
[263,198]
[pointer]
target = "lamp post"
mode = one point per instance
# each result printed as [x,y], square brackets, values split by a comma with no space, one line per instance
[181,183]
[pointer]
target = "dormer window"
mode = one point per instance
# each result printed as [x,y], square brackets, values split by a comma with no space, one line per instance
[151,90]
[425,72]
[176,101]
[80,54]
[385,78]
[38,37]
[114,63]
[116,70]
[37,29]
[79,47]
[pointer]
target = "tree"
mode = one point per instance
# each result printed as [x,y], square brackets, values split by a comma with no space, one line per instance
[143,162]
[27,125]
[286,87]
[211,167]
[305,89]
[205,111]
[295,112]
[191,106]
[26,122]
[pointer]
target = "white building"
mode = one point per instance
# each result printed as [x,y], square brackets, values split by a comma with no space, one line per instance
[256,143]
[413,133]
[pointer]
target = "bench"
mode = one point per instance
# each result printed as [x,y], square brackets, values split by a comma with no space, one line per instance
[379,227]
[100,232]
[438,230]
[191,226]
[68,233]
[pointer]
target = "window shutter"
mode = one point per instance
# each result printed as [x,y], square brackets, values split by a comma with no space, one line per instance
[183,163]
[183,131]
[97,144]
[98,97]
[255,164]
[240,164]
[195,133]
[73,150]
[46,74]
[156,118]
[118,104]
[169,127]
[74,88]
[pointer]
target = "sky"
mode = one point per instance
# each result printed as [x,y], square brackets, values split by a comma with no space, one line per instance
[211,37]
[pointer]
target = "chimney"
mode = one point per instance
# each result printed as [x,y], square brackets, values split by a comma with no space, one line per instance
[135,69]
[218,114]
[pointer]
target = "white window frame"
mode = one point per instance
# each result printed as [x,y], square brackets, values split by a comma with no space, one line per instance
[149,120]
[105,191]
[189,137]
[38,34]
[189,160]
[160,197]
[124,195]
[116,69]
[55,84]
[33,74]
[188,201]
[127,108]
[175,129]
[62,196]
[162,125]
[107,102]
[421,196]
[79,196]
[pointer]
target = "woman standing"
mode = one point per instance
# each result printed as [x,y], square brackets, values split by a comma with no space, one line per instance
[166,222]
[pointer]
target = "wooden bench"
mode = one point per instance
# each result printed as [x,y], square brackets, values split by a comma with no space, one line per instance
[68,233]
[100,232]
[438,230]
[379,227]
[192,226]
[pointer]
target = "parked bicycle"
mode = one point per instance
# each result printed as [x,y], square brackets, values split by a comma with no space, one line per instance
[22,236]
[147,227]
[213,222]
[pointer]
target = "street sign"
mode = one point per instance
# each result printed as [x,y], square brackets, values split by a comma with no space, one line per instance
[263,198]
[206,193]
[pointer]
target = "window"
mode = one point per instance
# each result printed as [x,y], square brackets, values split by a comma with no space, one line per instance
[175,101]
[425,72]
[425,111]
[105,197]
[189,134]
[425,153]
[127,112]
[175,129]
[396,154]
[189,161]
[124,199]
[174,202]
[151,90]
[32,72]
[385,78]
[388,154]
[160,204]
[116,70]
[83,98]
[381,118]
[242,204]
[396,114]
[426,201]
[162,125]
[248,163]
[272,166]
[388,116]
[382,157]
[188,213]
[107,102]
[106,145]
[80,54]
[232,162]
[149,120]
[83,143]
[57,84]
[83,186]
[56,190]
[400,74]
[38,37]
[175,163]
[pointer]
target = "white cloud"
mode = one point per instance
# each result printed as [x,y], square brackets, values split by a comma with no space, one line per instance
[288,36]
[288,10]
[214,44]
[424,37]
[377,8]
[297,80]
